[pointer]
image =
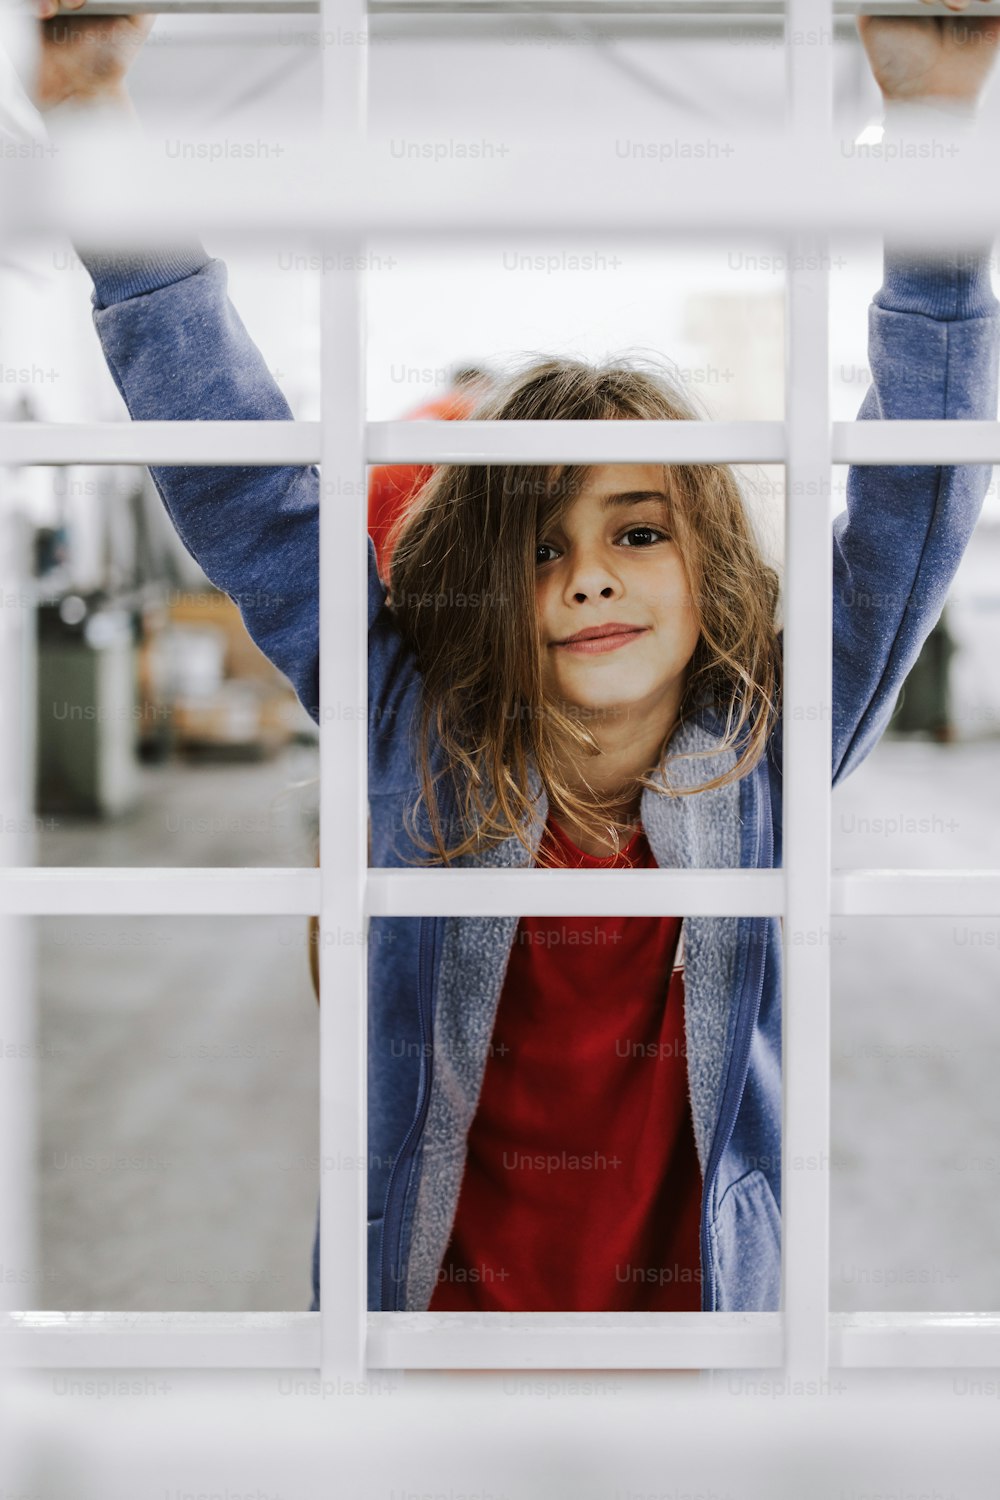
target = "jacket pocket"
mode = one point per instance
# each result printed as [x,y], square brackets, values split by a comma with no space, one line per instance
[746,1244]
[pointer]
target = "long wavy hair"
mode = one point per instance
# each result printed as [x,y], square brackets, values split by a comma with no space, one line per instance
[462,591]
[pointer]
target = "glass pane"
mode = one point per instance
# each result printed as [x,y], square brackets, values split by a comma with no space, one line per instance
[915,1119]
[177,1113]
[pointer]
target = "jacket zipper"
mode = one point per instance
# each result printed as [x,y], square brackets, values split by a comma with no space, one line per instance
[395,1196]
[752,984]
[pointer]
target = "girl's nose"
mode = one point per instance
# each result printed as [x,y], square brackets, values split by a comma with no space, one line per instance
[603,593]
[589,576]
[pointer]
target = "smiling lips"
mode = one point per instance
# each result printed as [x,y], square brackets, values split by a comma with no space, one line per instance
[600,638]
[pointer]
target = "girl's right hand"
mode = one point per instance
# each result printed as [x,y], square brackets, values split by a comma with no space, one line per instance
[84,58]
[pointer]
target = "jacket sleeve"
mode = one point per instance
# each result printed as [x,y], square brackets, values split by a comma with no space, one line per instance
[177,349]
[933,341]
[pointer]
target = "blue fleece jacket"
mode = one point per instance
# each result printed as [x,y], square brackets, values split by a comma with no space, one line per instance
[178,349]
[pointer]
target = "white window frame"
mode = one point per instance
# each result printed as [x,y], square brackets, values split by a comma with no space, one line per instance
[344,1340]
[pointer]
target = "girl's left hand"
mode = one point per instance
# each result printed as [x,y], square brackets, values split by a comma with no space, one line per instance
[916,56]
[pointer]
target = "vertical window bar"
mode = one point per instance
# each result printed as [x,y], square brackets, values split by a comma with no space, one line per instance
[343,737]
[807,725]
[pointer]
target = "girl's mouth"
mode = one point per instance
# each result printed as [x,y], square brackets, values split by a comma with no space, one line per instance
[597,645]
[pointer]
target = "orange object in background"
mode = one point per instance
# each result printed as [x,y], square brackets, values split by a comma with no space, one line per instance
[391,486]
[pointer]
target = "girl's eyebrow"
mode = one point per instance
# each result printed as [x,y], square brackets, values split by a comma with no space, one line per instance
[632,497]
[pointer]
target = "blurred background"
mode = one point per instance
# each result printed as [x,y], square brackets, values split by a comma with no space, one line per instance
[177,1058]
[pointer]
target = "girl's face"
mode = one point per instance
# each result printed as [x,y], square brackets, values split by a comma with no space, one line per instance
[613,562]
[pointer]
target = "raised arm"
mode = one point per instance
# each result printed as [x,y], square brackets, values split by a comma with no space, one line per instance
[934,338]
[933,345]
[178,350]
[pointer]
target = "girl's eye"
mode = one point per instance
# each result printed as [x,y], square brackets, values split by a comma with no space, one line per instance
[652,531]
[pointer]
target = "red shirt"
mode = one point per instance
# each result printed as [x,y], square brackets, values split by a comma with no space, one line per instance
[582,1188]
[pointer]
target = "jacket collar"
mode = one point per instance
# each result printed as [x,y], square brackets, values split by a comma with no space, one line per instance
[684,831]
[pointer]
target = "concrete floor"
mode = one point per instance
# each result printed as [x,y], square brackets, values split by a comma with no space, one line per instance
[915,1111]
[178,1130]
[179,1120]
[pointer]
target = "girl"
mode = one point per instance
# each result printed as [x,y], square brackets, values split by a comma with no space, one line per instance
[579,666]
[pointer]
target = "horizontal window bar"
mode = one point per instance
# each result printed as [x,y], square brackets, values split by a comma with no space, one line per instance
[909,442]
[578,441]
[102,191]
[67,891]
[695,1340]
[697,10]
[160,442]
[202,7]
[775,8]
[113,1340]
[649,7]
[604,1341]
[487,892]
[291,1340]
[408,442]
[912,1340]
[916,893]
[868,442]
[581,893]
